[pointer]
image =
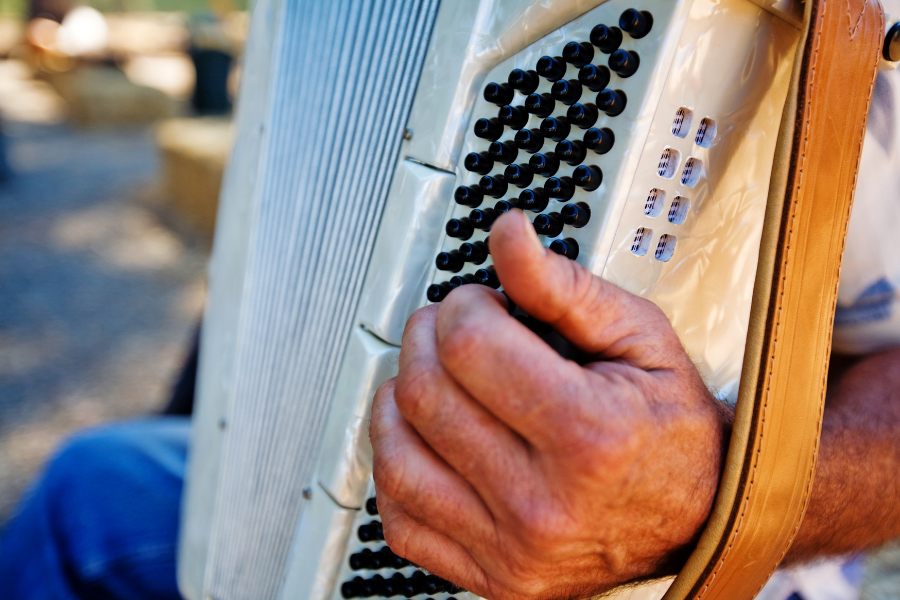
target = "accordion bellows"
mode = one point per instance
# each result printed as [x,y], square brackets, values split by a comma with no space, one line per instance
[376,142]
[341,82]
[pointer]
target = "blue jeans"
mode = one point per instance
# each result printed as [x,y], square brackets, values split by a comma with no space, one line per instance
[102,521]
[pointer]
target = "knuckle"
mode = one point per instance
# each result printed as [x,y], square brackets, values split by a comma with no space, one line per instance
[465,341]
[388,473]
[423,317]
[415,394]
[397,534]
[379,419]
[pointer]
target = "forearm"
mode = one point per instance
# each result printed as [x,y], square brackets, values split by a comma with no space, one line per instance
[855,501]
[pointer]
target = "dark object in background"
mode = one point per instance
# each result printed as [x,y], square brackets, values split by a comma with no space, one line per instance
[211,91]
[182,399]
[5,169]
[49,9]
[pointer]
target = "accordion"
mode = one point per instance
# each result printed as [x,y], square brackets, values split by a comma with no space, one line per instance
[673,147]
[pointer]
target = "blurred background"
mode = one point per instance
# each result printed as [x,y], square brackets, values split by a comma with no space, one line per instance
[115,128]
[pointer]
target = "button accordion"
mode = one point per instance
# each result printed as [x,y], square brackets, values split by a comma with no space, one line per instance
[377,142]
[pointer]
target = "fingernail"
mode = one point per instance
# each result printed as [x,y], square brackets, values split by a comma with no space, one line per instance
[529,231]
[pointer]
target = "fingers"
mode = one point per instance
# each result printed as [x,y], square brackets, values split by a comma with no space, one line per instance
[511,372]
[409,473]
[456,427]
[595,315]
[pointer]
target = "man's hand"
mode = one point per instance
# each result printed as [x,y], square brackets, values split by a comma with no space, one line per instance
[515,473]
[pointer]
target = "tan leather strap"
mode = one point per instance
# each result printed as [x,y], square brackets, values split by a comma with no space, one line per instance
[772,455]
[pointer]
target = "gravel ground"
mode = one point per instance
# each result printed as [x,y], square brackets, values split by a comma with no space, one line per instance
[99,295]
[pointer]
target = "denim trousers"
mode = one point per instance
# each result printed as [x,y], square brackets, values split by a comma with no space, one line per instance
[101,523]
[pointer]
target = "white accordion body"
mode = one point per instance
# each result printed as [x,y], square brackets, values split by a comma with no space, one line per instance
[333,220]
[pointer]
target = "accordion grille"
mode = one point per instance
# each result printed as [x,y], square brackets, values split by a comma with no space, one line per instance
[343,78]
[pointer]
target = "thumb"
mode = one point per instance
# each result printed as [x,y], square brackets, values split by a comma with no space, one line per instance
[595,315]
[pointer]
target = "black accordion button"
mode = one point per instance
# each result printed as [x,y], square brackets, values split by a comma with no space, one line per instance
[578,53]
[551,68]
[499,93]
[518,175]
[534,200]
[459,228]
[458,280]
[624,63]
[524,81]
[393,561]
[540,104]
[567,247]
[577,215]
[556,128]
[587,177]
[352,589]
[503,152]
[372,506]
[583,115]
[479,162]
[487,277]
[572,152]
[493,185]
[474,252]
[488,129]
[607,39]
[514,117]
[468,196]
[636,23]
[567,91]
[481,218]
[612,102]
[438,291]
[891,49]
[599,140]
[450,261]
[370,532]
[550,224]
[594,77]
[544,164]
[503,206]
[560,188]
[361,560]
[529,140]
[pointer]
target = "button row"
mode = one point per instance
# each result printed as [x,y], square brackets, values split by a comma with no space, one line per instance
[380,559]
[584,115]
[438,291]
[536,200]
[588,177]
[398,585]
[453,261]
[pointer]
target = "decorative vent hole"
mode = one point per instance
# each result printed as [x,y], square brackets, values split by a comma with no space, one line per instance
[665,248]
[679,209]
[693,168]
[641,242]
[682,123]
[654,205]
[706,133]
[668,163]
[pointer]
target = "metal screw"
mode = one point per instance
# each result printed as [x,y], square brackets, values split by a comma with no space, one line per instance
[407,133]
[307,493]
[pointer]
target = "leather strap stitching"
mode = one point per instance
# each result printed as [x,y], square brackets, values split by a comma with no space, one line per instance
[815,453]
[850,26]
[777,325]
